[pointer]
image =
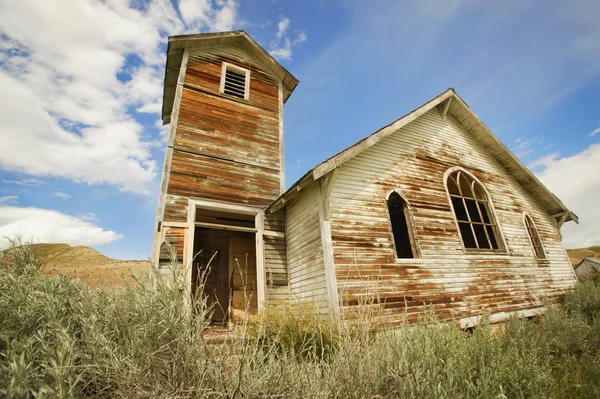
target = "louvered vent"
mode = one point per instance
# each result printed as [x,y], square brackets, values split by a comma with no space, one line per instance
[235,83]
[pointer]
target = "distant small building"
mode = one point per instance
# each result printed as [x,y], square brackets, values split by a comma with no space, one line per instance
[587,268]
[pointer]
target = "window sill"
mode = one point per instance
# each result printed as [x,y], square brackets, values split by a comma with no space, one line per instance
[545,262]
[474,251]
[235,98]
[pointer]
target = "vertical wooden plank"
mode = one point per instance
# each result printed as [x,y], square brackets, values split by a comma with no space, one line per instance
[281,148]
[260,261]
[177,101]
[328,261]
[189,239]
[169,152]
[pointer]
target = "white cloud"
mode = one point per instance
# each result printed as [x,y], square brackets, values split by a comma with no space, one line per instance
[42,225]
[25,182]
[595,132]
[61,195]
[282,47]
[575,180]
[154,108]
[284,52]
[220,15]
[282,27]
[226,16]
[63,58]
[195,11]
[88,216]
[524,147]
[9,199]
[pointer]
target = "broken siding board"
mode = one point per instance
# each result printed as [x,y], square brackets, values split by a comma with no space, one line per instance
[413,160]
[306,269]
[173,244]
[176,209]
[276,261]
[275,221]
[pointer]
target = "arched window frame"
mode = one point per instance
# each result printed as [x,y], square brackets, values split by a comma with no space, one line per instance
[534,228]
[410,225]
[502,247]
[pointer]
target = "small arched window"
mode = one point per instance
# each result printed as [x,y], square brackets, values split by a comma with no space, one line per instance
[534,237]
[401,226]
[476,222]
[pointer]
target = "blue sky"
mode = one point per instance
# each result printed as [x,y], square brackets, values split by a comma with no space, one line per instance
[81,146]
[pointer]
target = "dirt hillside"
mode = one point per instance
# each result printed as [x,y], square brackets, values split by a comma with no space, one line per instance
[87,264]
[577,255]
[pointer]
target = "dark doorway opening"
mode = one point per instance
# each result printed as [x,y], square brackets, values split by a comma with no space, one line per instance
[224,271]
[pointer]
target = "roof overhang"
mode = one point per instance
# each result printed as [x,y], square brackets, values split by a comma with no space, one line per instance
[177,44]
[448,102]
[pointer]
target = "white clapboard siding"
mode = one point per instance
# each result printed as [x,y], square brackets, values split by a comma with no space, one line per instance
[306,270]
[413,160]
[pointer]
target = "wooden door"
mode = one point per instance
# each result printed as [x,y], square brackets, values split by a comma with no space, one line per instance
[212,269]
[243,275]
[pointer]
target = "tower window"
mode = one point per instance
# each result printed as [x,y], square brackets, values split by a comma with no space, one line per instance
[534,237]
[401,228]
[473,213]
[235,81]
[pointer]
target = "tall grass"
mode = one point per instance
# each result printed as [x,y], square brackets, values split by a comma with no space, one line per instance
[59,338]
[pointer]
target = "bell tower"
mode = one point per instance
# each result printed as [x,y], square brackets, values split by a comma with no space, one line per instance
[223,98]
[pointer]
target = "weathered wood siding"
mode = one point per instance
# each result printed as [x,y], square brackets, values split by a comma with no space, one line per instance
[276,257]
[172,245]
[275,261]
[306,269]
[413,160]
[225,148]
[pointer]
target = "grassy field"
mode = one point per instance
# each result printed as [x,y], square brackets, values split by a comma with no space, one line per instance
[577,255]
[60,338]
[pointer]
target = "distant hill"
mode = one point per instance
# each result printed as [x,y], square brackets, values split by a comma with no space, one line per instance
[87,264]
[577,255]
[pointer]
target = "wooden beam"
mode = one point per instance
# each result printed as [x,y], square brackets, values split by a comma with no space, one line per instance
[446,107]
[178,95]
[175,224]
[281,152]
[561,221]
[277,205]
[162,198]
[275,234]
[328,260]
[227,227]
[261,278]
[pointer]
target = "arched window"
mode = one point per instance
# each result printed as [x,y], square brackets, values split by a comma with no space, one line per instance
[476,222]
[534,237]
[401,228]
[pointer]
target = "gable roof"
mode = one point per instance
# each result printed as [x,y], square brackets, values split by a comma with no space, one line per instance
[238,38]
[596,262]
[451,103]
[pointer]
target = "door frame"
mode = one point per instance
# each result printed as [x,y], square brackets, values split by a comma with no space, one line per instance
[258,230]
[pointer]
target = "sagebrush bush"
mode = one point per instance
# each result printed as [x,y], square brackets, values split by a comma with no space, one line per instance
[297,330]
[59,338]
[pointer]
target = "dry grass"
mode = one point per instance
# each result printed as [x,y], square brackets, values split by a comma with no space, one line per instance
[577,255]
[59,338]
[87,264]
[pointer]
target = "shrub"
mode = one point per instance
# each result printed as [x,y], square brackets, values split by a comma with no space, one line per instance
[297,330]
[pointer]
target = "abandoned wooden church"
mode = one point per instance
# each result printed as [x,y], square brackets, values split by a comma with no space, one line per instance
[431,210]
